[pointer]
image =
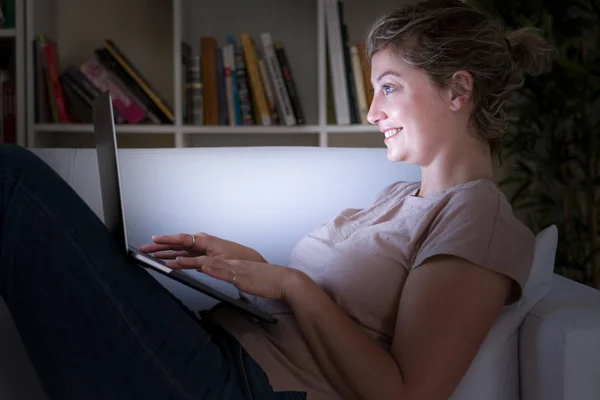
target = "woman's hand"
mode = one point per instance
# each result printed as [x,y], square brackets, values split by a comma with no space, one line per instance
[257,278]
[184,245]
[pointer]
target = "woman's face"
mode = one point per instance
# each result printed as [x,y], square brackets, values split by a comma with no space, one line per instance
[410,109]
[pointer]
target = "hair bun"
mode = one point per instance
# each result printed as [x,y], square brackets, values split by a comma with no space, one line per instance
[532,53]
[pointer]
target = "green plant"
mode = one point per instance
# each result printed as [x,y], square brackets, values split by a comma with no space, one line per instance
[554,148]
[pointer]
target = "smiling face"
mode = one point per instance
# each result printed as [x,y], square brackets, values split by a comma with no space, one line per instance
[413,113]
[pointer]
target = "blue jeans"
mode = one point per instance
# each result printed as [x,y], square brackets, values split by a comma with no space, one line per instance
[96,325]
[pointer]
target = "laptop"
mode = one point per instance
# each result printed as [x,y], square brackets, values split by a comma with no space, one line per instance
[114,210]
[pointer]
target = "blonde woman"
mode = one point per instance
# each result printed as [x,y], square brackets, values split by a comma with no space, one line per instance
[388,302]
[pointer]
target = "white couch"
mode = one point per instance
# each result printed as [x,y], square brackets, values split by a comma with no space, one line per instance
[546,347]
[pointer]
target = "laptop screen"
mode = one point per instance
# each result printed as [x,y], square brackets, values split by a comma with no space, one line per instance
[108,168]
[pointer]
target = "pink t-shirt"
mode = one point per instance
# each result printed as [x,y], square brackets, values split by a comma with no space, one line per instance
[362,258]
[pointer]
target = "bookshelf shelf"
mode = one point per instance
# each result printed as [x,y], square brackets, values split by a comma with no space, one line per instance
[88,128]
[211,130]
[251,129]
[8,33]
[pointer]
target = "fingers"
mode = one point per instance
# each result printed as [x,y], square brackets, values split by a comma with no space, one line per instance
[171,254]
[212,266]
[154,247]
[195,262]
[198,241]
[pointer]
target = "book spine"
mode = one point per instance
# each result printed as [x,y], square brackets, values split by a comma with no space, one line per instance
[289,82]
[104,81]
[49,49]
[194,89]
[348,66]
[336,63]
[78,105]
[359,85]
[186,59]
[208,74]
[234,80]
[246,109]
[286,112]
[221,89]
[261,108]
[264,76]
[42,105]
[365,67]
[229,70]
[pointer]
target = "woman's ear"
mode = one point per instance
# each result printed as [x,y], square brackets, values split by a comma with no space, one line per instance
[460,89]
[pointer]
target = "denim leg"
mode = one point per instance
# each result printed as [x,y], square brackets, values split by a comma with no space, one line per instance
[95,325]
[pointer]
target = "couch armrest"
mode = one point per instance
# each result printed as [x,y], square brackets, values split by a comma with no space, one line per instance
[18,379]
[559,345]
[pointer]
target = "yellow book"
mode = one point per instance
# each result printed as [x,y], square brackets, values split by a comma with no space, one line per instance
[259,100]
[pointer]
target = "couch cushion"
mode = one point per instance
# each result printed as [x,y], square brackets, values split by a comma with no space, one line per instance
[560,344]
[494,374]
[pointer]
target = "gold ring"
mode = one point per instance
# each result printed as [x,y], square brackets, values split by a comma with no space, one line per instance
[193,240]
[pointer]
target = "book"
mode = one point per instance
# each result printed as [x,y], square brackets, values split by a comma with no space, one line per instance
[359,85]
[282,99]
[259,101]
[106,82]
[208,77]
[151,111]
[194,93]
[221,90]
[365,65]
[289,82]
[166,112]
[246,110]
[229,72]
[86,89]
[337,67]
[43,113]
[234,79]
[51,67]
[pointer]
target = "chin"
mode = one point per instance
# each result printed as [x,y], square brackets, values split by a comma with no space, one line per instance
[396,155]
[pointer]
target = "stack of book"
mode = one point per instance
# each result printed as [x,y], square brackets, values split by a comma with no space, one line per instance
[67,95]
[349,70]
[239,83]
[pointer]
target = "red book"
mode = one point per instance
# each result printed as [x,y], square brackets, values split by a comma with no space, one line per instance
[49,49]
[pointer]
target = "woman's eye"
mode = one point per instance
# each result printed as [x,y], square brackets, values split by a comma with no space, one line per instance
[387,89]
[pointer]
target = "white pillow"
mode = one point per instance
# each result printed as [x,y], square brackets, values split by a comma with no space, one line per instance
[494,373]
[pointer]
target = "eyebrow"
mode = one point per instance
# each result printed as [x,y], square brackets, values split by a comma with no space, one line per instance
[386,73]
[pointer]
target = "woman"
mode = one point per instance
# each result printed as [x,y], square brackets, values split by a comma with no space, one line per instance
[367,296]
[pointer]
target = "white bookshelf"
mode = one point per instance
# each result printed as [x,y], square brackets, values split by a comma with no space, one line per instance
[7,32]
[155,51]
[17,35]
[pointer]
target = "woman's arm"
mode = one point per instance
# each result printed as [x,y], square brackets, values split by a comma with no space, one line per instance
[447,307]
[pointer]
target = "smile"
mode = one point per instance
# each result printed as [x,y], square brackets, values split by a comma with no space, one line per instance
[390,134]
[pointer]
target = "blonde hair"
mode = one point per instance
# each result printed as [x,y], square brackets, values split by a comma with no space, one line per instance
[445,36]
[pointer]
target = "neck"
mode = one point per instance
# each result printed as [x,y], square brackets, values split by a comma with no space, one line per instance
[453,168]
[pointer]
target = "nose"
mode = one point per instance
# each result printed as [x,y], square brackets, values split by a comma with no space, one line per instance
[376,112]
